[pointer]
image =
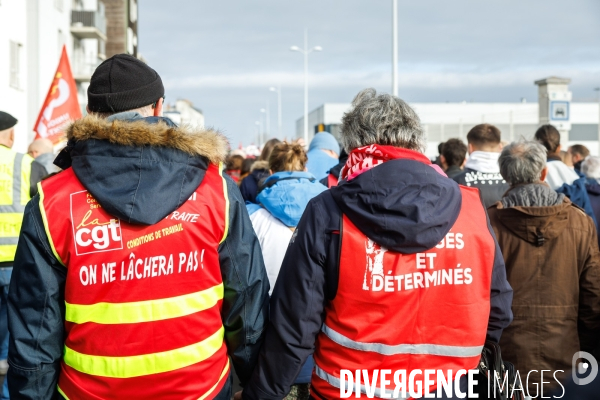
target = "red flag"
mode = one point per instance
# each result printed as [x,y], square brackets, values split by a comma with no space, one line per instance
[61,104]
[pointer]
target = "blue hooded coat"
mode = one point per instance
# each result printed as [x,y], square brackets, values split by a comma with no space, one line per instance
[319,163]
[286,194]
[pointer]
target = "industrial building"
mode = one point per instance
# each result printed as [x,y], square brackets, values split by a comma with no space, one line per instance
[442,121]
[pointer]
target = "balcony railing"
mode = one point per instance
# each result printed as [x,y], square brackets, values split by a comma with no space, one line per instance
[88,24]
[84,65]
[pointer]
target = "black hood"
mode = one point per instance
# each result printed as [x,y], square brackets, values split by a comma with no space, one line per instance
[403,205]
[337,169]
[592,186]
[140,169]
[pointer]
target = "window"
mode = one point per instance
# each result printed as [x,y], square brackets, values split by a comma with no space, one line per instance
[60,42]
[77,5]
[133,11]
[15,64]
[101,49]
[131,41]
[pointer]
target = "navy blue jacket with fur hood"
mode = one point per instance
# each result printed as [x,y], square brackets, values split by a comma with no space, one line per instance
[139,170]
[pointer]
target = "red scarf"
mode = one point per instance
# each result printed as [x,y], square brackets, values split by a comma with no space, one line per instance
[364,158]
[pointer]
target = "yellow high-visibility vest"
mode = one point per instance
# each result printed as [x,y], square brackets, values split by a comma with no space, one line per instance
[15,173]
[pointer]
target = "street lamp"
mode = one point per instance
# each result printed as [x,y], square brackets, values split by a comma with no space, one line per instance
[278,91]
[268,120]
[259,126]
[395,47]
[598,90]
[306,51]
[262,111]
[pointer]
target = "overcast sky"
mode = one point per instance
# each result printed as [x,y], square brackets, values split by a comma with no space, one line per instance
[223,55]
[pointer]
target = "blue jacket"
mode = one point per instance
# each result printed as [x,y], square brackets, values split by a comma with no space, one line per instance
[403,205]
[578,194]
[286,194]
[319,163]
[593,191]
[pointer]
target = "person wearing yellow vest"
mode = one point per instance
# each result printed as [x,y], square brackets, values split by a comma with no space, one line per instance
[395,269]
[15,174]
[19,175]
[138,274]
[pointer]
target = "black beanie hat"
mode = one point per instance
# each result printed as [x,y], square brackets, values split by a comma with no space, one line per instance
[7,121]
[123,83]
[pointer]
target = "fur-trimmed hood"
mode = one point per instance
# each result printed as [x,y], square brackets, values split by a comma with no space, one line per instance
[258,165]
[140,169]
[138,132]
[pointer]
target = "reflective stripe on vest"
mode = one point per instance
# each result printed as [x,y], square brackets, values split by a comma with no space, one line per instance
[337,383]
[396,311]
[145,364]
[208,393]
[15,171]
[144,311]
[142,303]
[226,195]
[387,350]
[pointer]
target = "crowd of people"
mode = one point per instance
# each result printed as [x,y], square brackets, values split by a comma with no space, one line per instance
[549,244]
[148,260]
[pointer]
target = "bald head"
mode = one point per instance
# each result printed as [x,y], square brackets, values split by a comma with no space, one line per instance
[39,147]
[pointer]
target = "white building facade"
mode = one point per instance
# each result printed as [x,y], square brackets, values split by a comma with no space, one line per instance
[32,34]
[88,30]
[184,113]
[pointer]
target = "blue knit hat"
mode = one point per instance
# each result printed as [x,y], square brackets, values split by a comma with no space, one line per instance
[325,141]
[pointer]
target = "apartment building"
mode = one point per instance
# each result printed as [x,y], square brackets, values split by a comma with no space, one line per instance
[32,34]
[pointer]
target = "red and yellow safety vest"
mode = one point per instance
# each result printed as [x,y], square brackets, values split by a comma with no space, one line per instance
[397,311]
[143,303]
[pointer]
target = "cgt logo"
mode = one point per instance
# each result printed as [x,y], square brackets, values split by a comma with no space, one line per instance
[94,229]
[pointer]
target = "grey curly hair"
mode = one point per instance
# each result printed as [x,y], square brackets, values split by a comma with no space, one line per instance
[591,167]
[522,162]
[381,119]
